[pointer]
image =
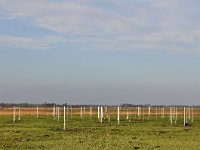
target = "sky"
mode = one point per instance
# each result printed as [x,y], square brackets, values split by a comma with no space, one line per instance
[100,51]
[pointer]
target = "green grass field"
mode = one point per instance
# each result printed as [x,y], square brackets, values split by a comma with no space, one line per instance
[47,133]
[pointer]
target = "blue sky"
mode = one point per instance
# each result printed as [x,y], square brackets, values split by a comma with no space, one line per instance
[100,52]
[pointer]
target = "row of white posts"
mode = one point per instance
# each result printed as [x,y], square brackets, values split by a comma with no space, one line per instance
[19,113]
[14,113]
[56,112]
[173,113]
[100,114]
[188,113]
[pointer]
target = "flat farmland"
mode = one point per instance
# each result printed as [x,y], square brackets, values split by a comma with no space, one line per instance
[85,132]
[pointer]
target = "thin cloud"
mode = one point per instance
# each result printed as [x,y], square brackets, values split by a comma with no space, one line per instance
[28,42]
[170,26]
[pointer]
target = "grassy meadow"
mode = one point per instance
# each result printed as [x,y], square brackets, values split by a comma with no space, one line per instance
[87,133]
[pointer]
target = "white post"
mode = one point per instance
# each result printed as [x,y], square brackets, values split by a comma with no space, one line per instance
[163,112]
[98,112]
[90,116]
[37,112]
[118,115]
[13,114]
[174,112]
[64,118]
[127,114]
[142,113]
[55,112]
[184,117]
[19,117]
[71,112]
[84,111]
[138,111]
[101,114]
[81,113]
[192,115]
[58,113]
[149,112]
[189,113]
[171,115]
[156,112]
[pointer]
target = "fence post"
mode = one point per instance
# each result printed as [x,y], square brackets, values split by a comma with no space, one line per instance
[19,113]
[64,118]
[184,116]
[37,111]
[118,115]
